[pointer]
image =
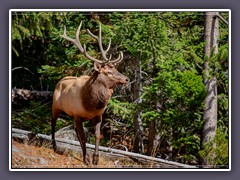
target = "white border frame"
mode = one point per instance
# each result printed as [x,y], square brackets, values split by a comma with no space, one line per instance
[112,10]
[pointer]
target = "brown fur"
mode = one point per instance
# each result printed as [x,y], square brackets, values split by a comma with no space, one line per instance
[99,94]
[85,98]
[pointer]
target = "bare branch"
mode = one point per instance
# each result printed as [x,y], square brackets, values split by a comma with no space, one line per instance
[21,67]
[120,145]
[224,20]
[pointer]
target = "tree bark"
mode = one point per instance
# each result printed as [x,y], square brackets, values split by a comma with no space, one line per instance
[137,90]
[154,137]
[210,113]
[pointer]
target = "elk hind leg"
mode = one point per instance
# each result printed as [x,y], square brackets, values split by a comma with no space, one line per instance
[55,114]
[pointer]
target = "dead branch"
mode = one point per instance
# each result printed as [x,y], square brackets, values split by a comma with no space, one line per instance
[224,20]
[21,67]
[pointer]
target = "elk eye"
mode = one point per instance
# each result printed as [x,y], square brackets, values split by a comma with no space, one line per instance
[109,73]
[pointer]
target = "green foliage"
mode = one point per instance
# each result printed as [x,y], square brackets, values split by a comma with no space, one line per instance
[219,62]
[182,108]
[143,35]
[223,112]
[36,118]
[150,116]
[219,147]
[120,109]
[29,26]
[186,88]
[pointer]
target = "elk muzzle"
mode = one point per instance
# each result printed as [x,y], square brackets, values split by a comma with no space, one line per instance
[123,80]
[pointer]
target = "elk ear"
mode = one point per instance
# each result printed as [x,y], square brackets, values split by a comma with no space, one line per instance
[97,66]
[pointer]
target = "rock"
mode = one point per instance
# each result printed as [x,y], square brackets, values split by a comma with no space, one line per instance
[42,161]
[15,149]
[68,133]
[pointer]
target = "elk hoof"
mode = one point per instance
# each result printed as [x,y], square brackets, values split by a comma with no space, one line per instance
[95,159]
[86,160]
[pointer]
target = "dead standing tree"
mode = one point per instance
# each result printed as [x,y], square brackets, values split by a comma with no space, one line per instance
[137,91]
[211,33]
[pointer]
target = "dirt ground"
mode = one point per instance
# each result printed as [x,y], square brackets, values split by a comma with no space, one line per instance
[26,156]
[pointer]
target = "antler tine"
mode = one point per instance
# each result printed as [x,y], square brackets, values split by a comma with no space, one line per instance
[119,59]
[76,40]
[91,34]
[109,46]
[65,35]
[79,45]
[99,39]
[100,44]
[110,57]
[90,57]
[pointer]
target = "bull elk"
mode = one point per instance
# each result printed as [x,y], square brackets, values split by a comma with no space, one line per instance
[86,97]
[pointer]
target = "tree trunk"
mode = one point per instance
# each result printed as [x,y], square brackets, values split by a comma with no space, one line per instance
[154,125]
[210,112]
[137,90]
[153,138]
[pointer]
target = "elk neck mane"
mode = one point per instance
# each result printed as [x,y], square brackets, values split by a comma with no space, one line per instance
[96,93]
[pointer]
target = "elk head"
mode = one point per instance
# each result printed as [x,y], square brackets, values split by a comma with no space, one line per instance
[106,66]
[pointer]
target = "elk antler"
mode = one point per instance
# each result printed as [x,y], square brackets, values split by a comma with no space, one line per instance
[99,39]
[104,53]
[76,40]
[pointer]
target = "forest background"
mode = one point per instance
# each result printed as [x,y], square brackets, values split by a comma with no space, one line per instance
[161,112]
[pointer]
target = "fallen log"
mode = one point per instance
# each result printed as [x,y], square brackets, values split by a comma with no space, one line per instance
[26,94]
[66,146]
[21,97]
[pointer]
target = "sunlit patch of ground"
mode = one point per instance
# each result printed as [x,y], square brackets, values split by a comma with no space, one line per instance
[27,156]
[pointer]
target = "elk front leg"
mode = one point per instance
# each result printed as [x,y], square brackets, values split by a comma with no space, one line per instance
[98,122]
[82,139]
